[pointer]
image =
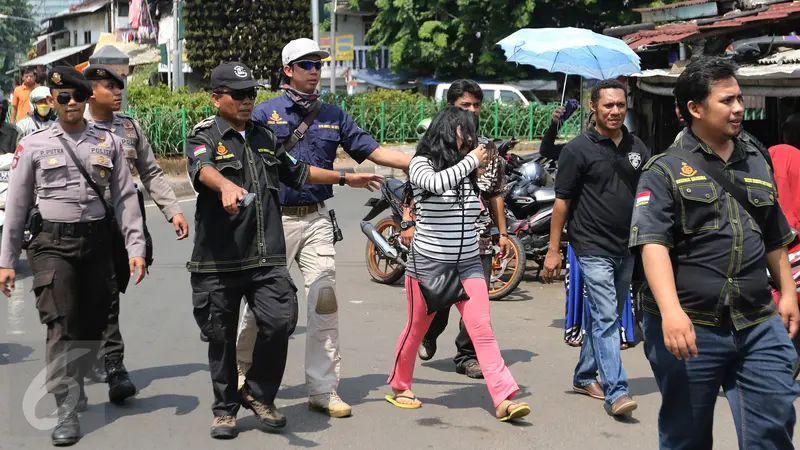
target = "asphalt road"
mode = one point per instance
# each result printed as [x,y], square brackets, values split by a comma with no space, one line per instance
[169,366]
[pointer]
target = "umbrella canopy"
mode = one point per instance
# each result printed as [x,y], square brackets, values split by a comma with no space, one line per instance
[573,51]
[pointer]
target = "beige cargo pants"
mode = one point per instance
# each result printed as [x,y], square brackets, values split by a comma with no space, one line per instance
[309,243]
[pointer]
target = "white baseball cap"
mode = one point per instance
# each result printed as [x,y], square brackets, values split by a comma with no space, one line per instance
[299,48]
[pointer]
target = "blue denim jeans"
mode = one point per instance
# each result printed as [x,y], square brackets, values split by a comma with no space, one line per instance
[607,283]
[754,368]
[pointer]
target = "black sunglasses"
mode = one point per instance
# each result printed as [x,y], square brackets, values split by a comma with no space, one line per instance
[240,94]
[80,96]
[307,65]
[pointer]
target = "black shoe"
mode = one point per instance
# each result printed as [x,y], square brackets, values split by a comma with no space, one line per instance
[120,386]
[471,369]
[68,430]
[97,373]
[426,350]
[267,414]
[83,401]
[224,427]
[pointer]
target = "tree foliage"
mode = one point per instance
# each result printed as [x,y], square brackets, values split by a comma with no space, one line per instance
[453,38]
[16,37]
[250,31]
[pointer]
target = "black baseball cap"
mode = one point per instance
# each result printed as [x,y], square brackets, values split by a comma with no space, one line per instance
[102,72]
[68,77]
[233,75]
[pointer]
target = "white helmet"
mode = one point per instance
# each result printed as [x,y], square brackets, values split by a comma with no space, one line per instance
[37,95]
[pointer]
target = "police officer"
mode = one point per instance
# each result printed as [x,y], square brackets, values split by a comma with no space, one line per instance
[104,106]
[71,258]
[710,318]
[236,167]
[308,227]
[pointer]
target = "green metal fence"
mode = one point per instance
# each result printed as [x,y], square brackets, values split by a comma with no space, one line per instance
[167,130]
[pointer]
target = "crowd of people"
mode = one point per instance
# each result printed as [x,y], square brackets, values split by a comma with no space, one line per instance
[694,229]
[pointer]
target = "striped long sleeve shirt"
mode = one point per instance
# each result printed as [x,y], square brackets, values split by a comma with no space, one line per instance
[444,226]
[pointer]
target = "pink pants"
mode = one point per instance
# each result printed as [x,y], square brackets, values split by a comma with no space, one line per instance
[475,312]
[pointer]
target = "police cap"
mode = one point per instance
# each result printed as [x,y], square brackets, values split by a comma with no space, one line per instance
[101,72]
[232,75]
[67,77]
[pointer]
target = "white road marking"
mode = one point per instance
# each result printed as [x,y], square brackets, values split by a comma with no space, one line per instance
[16,305]
[356,301]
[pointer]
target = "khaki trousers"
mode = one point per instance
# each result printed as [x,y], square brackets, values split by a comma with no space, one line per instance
[309,243]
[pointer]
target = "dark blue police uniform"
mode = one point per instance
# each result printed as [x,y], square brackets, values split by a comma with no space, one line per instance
[331,128]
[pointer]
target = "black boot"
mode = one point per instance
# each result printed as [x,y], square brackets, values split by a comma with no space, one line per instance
[120,386]
[97,373]
[83,401]
[68,430]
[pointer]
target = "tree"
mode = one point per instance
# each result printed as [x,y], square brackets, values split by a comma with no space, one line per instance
[455,38]
[16,37]
[250,31]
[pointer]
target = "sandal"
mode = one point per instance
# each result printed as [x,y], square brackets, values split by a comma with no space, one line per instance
[393,400]
[518,411]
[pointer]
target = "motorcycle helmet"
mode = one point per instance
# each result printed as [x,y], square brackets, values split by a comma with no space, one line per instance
[37,95]
[422,127]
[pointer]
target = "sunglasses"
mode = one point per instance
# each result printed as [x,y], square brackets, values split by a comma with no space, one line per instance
[240,95]
[79,96]
[307,65]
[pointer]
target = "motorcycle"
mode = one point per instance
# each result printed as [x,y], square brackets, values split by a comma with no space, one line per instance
[794,261]
[387,256]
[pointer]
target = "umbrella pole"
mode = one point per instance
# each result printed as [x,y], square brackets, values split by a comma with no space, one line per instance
[564,90]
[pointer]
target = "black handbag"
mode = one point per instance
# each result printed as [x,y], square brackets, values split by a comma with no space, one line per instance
[119,253]
[443,288]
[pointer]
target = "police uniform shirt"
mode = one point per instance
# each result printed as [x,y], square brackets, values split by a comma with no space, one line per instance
[717,249]
[588,174]
[140,156]
[63,194]
[331,128]
[254,237]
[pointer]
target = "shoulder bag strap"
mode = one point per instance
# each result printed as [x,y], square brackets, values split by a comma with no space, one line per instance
[301,129]
[716,174]
[85,174]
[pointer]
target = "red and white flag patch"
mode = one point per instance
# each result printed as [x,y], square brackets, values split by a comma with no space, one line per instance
[199,150]
[643,198]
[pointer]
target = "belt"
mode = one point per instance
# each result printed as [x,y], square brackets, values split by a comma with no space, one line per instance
[79,229]
[302,210]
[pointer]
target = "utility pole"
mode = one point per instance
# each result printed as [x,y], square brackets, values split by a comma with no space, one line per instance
[315,19]
[177,58]
[333,46]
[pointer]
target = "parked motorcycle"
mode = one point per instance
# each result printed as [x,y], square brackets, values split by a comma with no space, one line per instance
[794,261]
[387,256]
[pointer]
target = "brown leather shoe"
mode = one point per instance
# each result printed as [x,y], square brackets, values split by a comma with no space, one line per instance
[224,427]
[594,390]
[266,413]
[624,405]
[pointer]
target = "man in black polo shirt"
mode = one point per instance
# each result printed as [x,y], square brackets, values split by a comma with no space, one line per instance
[710,319]
[597,176]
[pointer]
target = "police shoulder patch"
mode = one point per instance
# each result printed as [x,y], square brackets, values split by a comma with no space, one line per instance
[653,160]
[202,125]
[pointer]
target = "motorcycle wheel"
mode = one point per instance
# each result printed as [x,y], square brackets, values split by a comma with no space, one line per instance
[383,270]
[507,273]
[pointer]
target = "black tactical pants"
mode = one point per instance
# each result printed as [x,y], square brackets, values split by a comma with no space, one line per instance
[74,283]
[113,346]
[465,351]
[272,297]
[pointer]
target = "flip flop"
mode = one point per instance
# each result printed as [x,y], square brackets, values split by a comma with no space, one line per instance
[393,400]
[516,413]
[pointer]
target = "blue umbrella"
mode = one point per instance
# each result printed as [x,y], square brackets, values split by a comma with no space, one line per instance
[572,51]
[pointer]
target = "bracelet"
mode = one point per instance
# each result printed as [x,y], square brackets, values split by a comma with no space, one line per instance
[504,235]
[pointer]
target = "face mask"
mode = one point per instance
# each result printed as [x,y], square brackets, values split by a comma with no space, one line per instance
[43,110]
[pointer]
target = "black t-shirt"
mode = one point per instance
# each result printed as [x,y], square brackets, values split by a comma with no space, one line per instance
[589,169]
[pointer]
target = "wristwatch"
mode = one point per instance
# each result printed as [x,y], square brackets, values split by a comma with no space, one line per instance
[406,224]
[342,177]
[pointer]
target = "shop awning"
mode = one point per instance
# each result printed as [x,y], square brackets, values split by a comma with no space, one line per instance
[55,56]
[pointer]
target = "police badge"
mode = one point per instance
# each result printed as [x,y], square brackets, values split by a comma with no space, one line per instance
[635,159]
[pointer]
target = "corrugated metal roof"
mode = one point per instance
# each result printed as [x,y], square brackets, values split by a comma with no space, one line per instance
[673,5]
[672,33]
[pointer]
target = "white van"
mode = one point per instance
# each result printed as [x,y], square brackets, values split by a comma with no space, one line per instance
[491,92]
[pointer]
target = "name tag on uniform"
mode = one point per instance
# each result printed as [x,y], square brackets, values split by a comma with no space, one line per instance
[759,182]
[327,126]
[266,150]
